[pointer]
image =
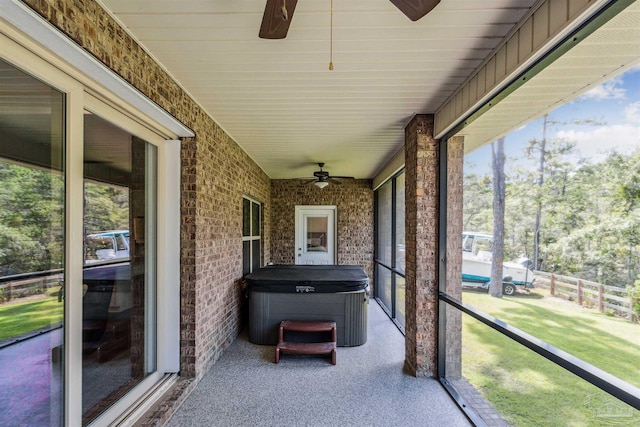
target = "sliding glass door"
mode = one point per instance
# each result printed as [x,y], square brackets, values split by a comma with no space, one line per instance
[32,243]
[78,255]
[119,287]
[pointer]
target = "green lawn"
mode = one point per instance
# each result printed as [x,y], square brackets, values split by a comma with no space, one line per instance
[527,389]
[18,318]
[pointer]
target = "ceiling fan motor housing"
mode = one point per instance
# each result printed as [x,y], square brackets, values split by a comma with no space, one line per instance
[321,174]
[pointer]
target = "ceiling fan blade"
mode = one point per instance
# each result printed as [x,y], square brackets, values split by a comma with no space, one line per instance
[415,9]
[341,177]
[276,21]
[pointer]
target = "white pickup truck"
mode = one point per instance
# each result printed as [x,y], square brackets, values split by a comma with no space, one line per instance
[476,265]
[106,246]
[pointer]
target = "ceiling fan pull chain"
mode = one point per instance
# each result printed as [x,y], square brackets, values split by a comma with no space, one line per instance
[283,11]
[331,37]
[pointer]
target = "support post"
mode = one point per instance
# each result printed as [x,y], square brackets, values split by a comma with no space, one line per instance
[422,264]
[601,298]
[579,292]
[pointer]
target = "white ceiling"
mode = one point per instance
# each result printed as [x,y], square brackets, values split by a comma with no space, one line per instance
[277,98]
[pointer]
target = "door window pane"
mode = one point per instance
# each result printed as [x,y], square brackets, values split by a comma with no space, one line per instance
[118,322]
[317,230]
[32,239]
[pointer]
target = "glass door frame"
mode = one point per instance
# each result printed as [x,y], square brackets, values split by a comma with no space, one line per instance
[25,54]
[97,106]
[302,213]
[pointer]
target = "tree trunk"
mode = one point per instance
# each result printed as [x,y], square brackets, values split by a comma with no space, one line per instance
[536,235]
[497,151]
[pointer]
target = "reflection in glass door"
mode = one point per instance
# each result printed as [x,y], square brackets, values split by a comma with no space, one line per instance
[119,291]
[32,144]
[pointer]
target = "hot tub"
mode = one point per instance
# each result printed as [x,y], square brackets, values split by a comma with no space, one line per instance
[336,293]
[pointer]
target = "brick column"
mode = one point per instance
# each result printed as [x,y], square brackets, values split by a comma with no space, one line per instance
[188,214]
[455,175]
[421,215]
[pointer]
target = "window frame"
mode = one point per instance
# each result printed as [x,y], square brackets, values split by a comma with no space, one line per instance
[378,263]
[252,237]
[616,387]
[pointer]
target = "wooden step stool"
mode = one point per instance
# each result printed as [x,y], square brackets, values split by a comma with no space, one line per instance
[306,348]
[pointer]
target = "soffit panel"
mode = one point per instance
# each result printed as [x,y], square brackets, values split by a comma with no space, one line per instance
[607,52]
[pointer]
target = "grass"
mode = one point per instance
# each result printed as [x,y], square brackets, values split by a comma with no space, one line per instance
[21,317]
[527,389]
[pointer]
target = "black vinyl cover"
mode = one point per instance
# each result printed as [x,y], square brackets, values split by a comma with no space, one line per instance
[308,279]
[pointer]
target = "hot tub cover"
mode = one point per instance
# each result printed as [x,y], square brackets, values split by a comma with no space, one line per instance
[308,279]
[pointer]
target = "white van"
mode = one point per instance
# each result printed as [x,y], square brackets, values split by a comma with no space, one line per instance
[106,245]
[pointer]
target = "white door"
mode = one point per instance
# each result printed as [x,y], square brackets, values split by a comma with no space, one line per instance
[315,235]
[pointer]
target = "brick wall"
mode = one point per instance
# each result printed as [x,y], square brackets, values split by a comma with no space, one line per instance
[421,216]
[354,201]
[217,260]
[211,188]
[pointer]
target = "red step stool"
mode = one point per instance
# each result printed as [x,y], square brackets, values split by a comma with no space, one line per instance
[306,348]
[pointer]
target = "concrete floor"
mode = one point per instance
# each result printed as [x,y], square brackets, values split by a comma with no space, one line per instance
[31,392]
[367,387]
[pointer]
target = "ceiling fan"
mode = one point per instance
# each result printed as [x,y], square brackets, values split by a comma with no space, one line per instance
[279,13]
[322,178]
[415,9]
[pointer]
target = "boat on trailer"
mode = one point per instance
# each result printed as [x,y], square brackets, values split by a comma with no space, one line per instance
[476,265]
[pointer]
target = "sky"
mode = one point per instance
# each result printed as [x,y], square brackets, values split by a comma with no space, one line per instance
[614,105]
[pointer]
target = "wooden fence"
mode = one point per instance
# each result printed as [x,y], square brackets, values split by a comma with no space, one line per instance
[18,288]
[587,293]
